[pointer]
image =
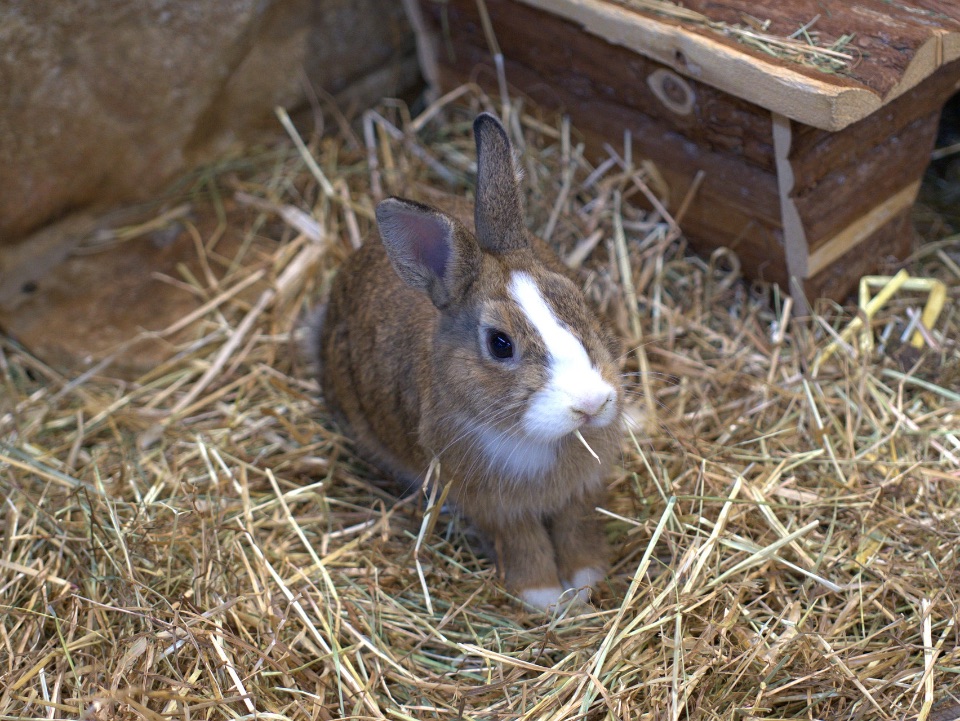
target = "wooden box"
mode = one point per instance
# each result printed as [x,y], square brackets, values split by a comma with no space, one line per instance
[810,173]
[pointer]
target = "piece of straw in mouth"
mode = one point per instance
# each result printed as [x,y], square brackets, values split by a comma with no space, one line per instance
[586,445]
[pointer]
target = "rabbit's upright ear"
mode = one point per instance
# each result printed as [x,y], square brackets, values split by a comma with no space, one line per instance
[429,250]
[499,210]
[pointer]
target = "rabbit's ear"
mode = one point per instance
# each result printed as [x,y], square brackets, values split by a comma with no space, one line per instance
[499,210]
[429,250]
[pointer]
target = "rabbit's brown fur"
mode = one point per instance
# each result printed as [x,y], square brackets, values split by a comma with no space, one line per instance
[407,364]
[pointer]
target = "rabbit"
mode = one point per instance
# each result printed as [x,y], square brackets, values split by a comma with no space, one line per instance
[480,351]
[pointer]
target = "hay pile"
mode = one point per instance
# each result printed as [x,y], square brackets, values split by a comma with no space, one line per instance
[201,543]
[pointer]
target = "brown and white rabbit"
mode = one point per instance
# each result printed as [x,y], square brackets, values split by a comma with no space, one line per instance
[481,351]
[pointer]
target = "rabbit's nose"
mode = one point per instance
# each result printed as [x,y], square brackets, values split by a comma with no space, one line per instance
[590,404]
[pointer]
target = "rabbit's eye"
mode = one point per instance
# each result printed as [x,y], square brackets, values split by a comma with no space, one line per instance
[500,345]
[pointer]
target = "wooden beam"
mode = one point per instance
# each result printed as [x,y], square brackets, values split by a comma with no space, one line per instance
[795,245]
[861,229]
[825,105]
[820,100]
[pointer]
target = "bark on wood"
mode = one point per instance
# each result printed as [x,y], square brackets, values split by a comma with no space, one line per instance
[736,206]
[888,36]
[818,152]
[870,177]
[881,252]
[586,67]
[900,45]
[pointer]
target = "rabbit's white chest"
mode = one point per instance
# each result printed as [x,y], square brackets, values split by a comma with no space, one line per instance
[515,458]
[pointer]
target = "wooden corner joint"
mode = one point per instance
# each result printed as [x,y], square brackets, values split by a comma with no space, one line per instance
[861,229]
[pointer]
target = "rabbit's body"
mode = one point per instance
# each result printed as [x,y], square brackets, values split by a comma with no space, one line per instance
[481,352]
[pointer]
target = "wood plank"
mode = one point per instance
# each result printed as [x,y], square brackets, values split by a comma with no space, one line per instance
[899,43]
[892,62]
[757,242]
[723,192]
[862,229]
[817,152]
[563,56]
[830,103]
[796,251]
[736,206]
[852,188]
[888,245]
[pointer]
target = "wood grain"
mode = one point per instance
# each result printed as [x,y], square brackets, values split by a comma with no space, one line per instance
[737,205]
[899,44]
[893,39]
[829,250]
[586,67]
[881,252]
[866,178]
[815,152]
[826,210]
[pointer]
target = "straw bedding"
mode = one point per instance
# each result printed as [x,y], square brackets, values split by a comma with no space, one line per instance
[202,542]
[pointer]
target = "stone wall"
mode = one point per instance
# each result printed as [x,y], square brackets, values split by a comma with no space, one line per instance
[103,102]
